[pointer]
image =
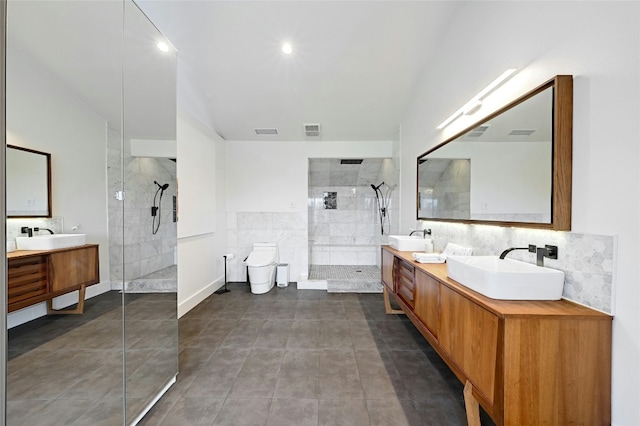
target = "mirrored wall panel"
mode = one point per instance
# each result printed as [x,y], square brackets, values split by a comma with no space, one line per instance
[149,227]
[92,285]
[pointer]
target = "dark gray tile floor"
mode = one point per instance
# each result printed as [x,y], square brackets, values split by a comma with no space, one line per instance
[68,369]
[305,357]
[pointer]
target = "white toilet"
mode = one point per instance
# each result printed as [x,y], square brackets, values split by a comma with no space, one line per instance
[262,264]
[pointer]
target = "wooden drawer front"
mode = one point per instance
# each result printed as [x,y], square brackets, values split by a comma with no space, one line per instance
[427,301]
[27,278]
[469,334]
[404,282]
[74,267]
[387,269]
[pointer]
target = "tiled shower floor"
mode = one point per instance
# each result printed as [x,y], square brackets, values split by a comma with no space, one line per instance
[348,278]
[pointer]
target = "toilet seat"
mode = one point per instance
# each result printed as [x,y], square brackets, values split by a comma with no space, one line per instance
[259,258]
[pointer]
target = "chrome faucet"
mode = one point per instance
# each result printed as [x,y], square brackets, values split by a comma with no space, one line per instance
[530,249]
[424,232]
[547,251]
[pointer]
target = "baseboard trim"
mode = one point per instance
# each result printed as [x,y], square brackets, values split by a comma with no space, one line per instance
[193,301]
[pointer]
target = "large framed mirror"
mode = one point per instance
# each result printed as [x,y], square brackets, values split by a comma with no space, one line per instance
[512,168]
[28,183]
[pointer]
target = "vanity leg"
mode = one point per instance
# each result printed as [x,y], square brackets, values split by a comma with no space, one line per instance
[387,304]
[471,405]
[78,310]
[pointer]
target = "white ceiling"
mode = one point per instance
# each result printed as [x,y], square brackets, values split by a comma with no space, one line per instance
[354,68]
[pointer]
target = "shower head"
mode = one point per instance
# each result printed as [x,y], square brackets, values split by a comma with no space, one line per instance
[163,187]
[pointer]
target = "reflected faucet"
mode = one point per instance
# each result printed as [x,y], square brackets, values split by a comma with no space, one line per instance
[547,251]
[43,229]
[424,232]
[530,249]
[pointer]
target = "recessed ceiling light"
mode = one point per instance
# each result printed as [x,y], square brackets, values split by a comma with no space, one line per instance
[287,49]
[163,47]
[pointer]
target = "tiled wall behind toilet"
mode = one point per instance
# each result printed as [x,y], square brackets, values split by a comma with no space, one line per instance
[288,230]
[587,260]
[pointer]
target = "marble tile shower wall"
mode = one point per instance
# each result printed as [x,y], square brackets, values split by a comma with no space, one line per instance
[289,230]
[587,260]
[134,245]
[350,234]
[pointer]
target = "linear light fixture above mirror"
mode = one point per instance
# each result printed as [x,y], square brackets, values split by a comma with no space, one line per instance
[476,102]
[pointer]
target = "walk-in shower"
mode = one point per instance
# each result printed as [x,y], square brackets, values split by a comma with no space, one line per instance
[348,221]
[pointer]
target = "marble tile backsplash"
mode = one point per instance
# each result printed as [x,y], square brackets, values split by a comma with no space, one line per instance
[56,224]
[289,230]
[587,260]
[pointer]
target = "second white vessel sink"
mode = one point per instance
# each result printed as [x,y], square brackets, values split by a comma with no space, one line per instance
[51,242]
[408,243]
[506,279]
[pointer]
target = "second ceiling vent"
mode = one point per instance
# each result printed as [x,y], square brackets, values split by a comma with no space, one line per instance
[266,131]
[312,130]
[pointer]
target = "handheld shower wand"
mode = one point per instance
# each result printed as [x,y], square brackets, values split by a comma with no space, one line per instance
[156,210]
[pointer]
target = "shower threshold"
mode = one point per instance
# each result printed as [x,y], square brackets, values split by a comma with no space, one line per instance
[343,279]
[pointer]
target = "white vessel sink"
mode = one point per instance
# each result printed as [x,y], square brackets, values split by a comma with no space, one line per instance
[51,242]
[407,243]
[506,279]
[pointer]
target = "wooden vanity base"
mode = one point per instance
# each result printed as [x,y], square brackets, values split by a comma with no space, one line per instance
[471,405]
[387,304]
[36,276]
[77,311]
[523,362]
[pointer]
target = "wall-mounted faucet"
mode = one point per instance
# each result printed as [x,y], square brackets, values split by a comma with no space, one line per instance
[26,230]
[547,251]
[43,229]
[530,249]
[424,232]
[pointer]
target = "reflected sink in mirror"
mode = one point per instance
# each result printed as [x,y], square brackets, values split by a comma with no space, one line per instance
[51,242]
[407,243]
[506,279]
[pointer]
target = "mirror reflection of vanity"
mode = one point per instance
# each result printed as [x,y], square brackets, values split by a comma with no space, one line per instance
[28,182]
[83,105]
[512,168]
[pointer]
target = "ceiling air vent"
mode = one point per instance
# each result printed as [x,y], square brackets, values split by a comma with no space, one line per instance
[521,132]
[312,130]
[266,131]
[351,161]
[477,132]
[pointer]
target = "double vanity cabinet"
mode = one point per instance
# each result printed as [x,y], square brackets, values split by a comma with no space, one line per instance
[524,362]
[35,276]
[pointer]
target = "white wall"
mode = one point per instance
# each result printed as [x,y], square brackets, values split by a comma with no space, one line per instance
[43,114]
[597,42]
[269,177]
[201,172]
